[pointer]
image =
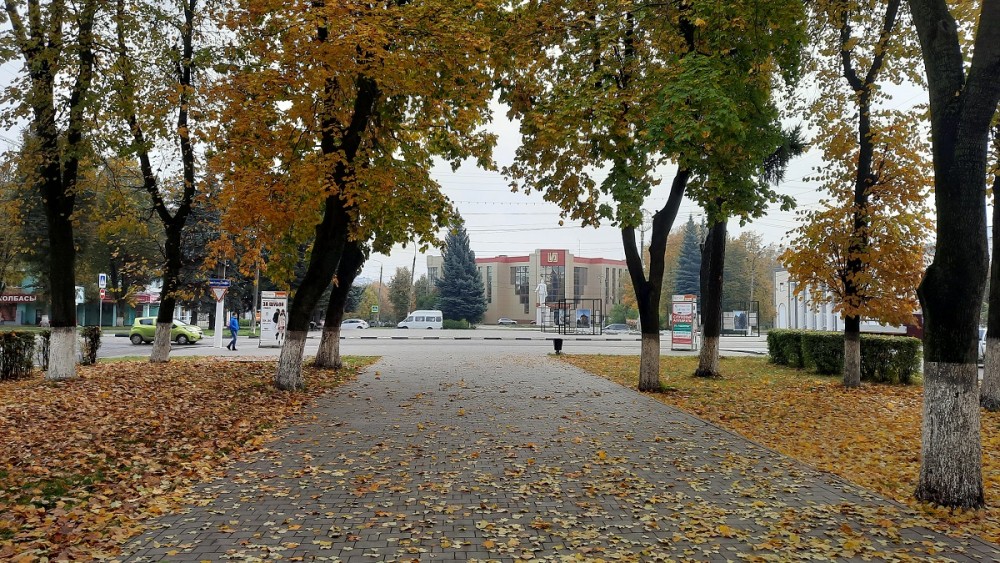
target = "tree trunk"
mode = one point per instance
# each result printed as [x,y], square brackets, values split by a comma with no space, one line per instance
[161,343]
[951,470]
[852,351]
[989,393]
[289,376]
[647,292]
[331,233]
[713,259]
[328,355]
[62,353]
[649,362]
[962,107]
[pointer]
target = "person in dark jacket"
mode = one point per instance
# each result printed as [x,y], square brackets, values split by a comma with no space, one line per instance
[234,328]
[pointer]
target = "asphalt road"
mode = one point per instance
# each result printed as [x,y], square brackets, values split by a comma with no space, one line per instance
[374,342]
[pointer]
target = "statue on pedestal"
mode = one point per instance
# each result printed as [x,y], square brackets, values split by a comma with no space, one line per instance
[542,292]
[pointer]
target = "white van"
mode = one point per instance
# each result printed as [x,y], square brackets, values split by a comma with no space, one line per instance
[422,319]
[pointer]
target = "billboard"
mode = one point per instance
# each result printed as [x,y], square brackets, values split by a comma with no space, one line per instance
[683,312]
[273,318]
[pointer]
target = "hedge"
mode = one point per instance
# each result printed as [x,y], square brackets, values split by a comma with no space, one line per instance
[17,354]
[453,324]
[91,344]
[884,359]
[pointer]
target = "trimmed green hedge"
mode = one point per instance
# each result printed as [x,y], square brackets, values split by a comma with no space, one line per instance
[823,351]
[884,359]
[17,354]
[453,324]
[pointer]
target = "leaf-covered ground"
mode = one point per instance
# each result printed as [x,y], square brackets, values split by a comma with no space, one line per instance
[83,462]
[870,435]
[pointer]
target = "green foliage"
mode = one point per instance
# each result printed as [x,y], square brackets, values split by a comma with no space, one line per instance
[890,359]
[425,294]
[456,324]
[17,350]
[399,293]
[884,359]
[621,312]
[91,344]
[460,287]
[688,277]
[824,351]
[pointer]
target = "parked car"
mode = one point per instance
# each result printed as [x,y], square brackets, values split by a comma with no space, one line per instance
[144,329]
[615,328]
[353,323]
[505,321]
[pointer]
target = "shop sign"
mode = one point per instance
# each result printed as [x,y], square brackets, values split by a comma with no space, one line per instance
[18,298]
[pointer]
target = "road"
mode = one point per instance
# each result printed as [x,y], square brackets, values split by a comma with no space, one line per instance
[375,342]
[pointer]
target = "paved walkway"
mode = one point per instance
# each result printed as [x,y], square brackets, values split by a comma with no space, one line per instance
[488,458]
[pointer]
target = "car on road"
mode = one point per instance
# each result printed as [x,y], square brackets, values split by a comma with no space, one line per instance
[615,328]
[353,323]
[144,329]
[505,321]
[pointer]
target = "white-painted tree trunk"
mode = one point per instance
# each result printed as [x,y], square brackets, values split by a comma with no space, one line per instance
[649,363]
[852,363]
[328,355]
[951,470]
[708,360]
[62,354]
[289,376]
[989,392]
[161,343]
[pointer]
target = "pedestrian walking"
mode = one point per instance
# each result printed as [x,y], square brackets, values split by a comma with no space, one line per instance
[234,328]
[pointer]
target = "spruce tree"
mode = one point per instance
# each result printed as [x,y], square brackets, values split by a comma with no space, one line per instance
[461,294]
[689,266]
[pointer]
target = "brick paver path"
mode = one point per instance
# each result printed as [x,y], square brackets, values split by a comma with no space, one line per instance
[456,458]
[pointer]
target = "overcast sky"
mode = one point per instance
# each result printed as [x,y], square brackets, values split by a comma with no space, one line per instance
[501,222]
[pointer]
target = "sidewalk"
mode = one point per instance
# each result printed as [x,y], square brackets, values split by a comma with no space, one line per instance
[482,457]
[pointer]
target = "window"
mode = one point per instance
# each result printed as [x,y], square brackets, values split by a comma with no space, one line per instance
[489,284]
[607,286]
[432,274]
[522,286]
[147,322]
[555,281]
[579,282]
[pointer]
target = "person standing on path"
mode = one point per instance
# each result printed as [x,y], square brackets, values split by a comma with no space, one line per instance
[234,328]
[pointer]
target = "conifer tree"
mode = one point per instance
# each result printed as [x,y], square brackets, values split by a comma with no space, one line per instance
[689,265]
[460,287]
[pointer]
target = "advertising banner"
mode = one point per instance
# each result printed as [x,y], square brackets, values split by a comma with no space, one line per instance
[273,318]
[683,311]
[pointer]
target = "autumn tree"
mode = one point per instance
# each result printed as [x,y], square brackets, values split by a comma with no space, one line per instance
[628,86]
[154,102]
[749,274]
[874,170]
[11,241]
[749,203]
[964,93]
[461,293]
[116,234]
[332,116]
[55,43]
[399,293]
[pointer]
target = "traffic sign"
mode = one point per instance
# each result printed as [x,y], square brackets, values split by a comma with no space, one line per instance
[80,297]
[102,281]
[374,308]
[218,283]
[103,293]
